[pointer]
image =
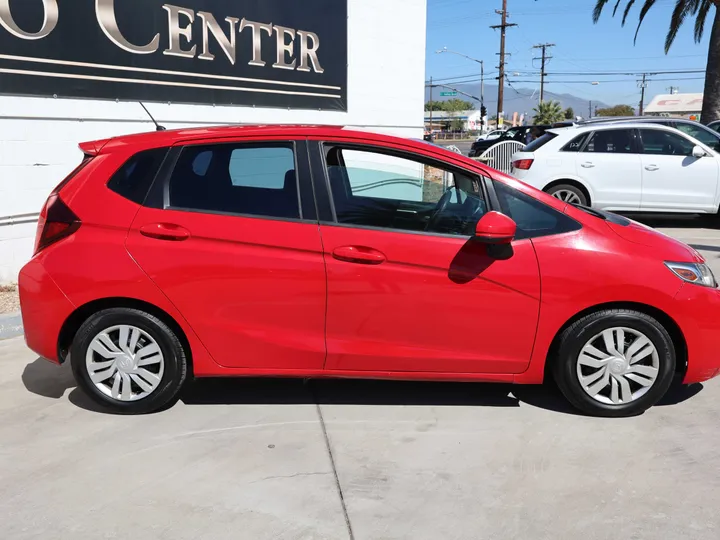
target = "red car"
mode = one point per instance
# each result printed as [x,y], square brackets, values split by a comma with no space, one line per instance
[322,252]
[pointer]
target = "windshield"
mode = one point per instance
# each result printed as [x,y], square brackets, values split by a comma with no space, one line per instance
[512,132]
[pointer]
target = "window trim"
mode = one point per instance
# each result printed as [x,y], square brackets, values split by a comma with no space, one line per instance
[306,209]
[323,148]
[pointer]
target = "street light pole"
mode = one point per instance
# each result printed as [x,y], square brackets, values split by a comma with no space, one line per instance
[482,76]
[431,107]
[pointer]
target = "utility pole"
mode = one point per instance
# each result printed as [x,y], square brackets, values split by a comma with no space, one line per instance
[504,25]
[642,84]
[674,90]
[482,95]
[544,58]
[590,109]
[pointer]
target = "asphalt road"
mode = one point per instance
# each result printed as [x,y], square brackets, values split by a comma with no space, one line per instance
[284,459]
[464,146]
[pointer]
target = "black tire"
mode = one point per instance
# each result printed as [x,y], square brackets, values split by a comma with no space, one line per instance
[571,189]
[576,336]
[174,358]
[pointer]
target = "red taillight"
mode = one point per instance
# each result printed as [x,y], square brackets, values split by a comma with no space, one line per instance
[523,164]
[56,222]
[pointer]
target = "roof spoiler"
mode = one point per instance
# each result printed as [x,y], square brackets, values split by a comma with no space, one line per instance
[93,148]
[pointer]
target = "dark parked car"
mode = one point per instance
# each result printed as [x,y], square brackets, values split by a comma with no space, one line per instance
[518,133]
[715,125]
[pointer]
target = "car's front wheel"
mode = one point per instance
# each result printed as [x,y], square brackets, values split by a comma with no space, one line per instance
[615,362]
[128,361]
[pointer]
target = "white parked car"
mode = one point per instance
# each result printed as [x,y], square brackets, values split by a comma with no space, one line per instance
[633,167]
[490,135]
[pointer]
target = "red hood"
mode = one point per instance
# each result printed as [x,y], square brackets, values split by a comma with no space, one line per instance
[669,248]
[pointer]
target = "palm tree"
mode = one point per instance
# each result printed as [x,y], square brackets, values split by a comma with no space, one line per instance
[700,9]
[548,112]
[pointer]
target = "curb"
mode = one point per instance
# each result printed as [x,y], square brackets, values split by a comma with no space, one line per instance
[11,325]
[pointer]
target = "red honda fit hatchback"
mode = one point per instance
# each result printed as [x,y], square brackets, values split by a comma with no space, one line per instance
[322,252]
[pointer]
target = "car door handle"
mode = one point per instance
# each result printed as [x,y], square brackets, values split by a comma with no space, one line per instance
[651,167]
[587,165]
[359,255]
[165,231]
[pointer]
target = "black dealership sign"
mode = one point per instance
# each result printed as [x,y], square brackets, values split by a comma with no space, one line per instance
[266,53]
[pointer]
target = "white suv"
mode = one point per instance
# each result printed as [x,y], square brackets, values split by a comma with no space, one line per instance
[633,167]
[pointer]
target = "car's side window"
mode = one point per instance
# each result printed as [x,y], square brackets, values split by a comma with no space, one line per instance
[575,144]
[705,136]
[610,141]
[134,178]
[665,143]
[532,217]
[377,189]
[255,179]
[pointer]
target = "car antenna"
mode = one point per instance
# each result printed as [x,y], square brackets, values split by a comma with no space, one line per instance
[158,127]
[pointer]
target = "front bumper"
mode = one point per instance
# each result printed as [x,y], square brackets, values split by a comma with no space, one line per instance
[700,324]
[44,310]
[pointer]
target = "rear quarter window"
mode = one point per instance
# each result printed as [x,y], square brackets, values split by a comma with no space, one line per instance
[539,142]
[134,178]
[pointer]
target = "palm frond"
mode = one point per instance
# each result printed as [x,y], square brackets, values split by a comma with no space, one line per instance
[700,21]
[599,8]
[676,21]
[627,11]
[617,5]
[647,6]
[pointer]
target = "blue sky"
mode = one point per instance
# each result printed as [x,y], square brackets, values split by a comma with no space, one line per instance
[463,26]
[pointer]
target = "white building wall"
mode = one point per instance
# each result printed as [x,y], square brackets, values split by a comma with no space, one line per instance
[39,136]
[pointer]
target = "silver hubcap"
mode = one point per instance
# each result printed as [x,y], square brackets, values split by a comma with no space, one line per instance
[567,196]
[618,366]
[125,363]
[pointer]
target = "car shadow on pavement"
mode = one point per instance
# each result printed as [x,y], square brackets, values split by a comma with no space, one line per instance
[48,380]
[676,221]
[376,392]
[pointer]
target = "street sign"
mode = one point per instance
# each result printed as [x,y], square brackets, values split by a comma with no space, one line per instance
[448,94]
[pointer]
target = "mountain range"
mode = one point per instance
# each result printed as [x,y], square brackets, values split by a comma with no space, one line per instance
[520,100]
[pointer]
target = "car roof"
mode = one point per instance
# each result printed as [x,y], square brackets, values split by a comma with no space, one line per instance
[155,139]
[648,119]
[584,128]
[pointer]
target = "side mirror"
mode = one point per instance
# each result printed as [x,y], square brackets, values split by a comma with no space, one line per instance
[698,152]
[495,228]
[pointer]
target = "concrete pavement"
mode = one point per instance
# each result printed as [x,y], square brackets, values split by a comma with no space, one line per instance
[370,460]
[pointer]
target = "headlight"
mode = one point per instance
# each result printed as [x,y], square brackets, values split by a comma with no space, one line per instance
[697,273]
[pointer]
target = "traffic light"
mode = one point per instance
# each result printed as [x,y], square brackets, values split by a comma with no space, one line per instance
[483,111]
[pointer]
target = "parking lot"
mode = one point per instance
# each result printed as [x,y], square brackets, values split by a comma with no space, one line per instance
[368,460]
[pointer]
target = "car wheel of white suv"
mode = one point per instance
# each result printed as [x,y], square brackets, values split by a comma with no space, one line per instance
[569,194]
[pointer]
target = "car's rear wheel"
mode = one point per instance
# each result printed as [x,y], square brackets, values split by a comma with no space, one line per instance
[128,361]
[568,193]
[615,363]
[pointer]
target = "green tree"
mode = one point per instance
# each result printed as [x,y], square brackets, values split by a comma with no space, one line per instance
[569,114]
[455,105]
[456,124]
[548,112]
[699,9]
[617,110]
[436,105]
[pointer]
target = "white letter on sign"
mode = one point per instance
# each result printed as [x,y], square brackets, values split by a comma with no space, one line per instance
[49,23]
[105,12]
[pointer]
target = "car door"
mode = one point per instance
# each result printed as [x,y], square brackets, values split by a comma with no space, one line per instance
[408,288]
[672,179]
[609,163]
[227,239]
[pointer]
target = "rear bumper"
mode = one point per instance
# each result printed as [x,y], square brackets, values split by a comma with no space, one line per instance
[44,310]
[701,328]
